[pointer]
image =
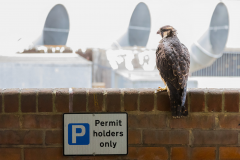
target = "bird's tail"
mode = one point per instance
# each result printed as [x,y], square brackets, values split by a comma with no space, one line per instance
[183,100]
[177,101]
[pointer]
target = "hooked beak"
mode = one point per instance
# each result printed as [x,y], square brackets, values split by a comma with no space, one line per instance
[158,32]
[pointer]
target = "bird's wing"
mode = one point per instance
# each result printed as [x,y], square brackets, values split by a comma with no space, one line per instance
[185,62]
[173,66]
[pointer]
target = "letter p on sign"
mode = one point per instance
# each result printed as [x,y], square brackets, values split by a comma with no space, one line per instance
[78,134]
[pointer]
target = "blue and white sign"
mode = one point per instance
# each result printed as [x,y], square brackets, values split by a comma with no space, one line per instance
[95,134]
[78,134]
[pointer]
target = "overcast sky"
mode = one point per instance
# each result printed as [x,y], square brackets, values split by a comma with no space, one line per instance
[97,23]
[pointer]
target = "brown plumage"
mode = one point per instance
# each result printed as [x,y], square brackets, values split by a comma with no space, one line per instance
[173,61]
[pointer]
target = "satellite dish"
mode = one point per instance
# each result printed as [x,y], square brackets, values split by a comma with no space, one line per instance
[56,28]
[212,43]
[219,28]
[139,28]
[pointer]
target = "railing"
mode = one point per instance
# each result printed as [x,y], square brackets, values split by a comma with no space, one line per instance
[227,65]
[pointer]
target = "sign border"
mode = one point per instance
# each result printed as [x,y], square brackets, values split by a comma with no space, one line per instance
[95,154]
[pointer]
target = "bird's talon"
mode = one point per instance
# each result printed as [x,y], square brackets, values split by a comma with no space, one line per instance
[161,89]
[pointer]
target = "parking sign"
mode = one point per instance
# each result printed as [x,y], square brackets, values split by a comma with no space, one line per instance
[78,133]
[95,133]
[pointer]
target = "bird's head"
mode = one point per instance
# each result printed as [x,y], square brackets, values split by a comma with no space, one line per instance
[167,31]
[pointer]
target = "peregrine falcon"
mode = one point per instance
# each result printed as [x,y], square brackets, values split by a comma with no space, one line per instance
[173,61]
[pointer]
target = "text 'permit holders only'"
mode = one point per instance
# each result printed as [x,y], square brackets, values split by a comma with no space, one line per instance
[95,134]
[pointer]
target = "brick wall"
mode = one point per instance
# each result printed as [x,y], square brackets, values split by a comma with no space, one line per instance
[31,123]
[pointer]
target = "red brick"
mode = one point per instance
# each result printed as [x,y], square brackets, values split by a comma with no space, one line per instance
[42,121]
[179,153]
[132,153]
[33,137]
[163,102]
[21,137]
[1,97]
[134,136]
[54,137]
[112,157]
[10,137]
[197,103]
[147,153]
[227,153]
[45,100]
[231,100]
[130,100]
[215,137]
[95,100]
[113,100]
[193,121]
[87,157]
[146,99]
[62,100]
[11,100]
[229,121]
[147,121]
[79,99]
[28,100]
[152,153]
[196,153]
[10,153]
[44,153]
[9,121]
[165,137]
[200,153]
[214,100]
